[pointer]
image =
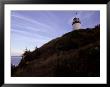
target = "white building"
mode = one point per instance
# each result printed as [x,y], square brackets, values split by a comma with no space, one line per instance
[76,23]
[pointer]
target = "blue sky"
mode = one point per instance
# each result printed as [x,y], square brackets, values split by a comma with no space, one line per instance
[35,28]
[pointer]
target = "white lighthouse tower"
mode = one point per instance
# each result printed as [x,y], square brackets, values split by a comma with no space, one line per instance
[76,23]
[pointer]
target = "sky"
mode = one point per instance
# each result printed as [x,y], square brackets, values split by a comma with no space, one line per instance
[31,28]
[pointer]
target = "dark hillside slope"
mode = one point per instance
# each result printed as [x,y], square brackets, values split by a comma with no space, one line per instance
[76,53]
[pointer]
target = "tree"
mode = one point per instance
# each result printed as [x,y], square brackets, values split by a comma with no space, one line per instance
[13,69]
[97,26]
[36,47]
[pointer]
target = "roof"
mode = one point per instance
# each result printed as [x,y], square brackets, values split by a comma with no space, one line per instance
[76,20]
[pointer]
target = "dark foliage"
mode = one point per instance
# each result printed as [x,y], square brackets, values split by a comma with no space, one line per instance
[13,69]
[76,53]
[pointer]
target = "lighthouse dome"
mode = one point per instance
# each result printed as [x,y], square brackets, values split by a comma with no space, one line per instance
[76,23]
[76,20]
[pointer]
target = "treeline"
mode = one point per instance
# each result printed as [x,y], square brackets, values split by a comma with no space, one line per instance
[60,48]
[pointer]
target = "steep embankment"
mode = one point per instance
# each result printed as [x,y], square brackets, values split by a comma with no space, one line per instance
[76,53]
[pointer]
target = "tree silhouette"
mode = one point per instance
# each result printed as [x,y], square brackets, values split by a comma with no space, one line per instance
[13,69]
[97,26]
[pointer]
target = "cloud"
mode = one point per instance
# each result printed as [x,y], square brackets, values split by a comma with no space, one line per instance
[34,28]
[31,28]
[31,21]
[28,34]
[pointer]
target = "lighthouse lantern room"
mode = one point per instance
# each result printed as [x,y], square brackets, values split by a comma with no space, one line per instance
[76,23]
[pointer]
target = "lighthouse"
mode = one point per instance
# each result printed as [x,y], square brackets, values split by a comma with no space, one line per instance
[76,23]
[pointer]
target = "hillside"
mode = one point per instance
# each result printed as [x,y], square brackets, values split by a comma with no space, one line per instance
[76,53]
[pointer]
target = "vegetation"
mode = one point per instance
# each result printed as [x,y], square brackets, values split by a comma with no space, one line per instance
[76,53]
[13,69]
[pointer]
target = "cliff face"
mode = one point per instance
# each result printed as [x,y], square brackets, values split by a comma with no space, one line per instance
[76,53]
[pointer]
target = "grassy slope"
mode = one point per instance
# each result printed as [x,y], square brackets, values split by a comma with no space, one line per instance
[76,53]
